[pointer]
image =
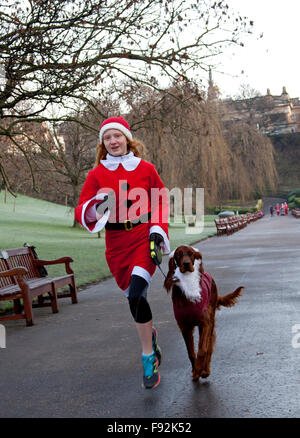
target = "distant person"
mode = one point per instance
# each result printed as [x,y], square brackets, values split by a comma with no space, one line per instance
[286,208]
[271,210]
[277,208]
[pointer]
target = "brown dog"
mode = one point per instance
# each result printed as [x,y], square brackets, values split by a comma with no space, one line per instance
[195,300]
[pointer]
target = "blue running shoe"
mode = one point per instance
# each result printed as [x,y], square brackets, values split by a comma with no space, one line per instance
[151,376]
[156,348]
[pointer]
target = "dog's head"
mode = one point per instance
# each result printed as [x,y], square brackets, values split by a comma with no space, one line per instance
[184,258]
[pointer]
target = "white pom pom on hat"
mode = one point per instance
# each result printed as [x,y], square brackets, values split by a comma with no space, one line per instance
[118,123]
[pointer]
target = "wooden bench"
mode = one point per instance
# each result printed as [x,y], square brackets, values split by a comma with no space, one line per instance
[242,221]
[296,213]
[251,217]
[223,227]
[231,224]
[23,276]
[234,223]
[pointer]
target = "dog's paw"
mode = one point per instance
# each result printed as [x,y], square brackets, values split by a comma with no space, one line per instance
[204,374]
[195,376]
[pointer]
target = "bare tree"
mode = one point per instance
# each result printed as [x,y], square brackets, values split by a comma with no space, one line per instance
[66,155]
[246,91]
[55,52]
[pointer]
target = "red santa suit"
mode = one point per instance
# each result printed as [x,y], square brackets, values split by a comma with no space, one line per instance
[138,194]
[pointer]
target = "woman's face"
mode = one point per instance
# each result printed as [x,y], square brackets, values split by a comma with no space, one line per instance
[115,142]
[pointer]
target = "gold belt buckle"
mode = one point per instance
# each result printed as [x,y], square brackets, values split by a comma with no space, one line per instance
[128,225]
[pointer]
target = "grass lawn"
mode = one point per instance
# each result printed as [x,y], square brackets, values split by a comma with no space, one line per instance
[48,227]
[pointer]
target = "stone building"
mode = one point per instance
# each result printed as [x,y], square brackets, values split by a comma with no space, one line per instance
[272,115]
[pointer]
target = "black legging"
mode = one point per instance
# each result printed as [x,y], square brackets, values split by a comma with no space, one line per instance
[137,297]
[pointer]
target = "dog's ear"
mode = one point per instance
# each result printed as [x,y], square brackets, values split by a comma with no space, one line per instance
[169,280]
[172,266]
[201,267]
[198,256]
[168,283]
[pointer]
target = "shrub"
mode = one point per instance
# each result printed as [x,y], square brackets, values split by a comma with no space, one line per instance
[295,192]
[297,202]
[241,210]
[212,209]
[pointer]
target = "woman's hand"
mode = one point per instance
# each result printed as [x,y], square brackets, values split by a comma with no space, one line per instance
[102,207]
[155,249]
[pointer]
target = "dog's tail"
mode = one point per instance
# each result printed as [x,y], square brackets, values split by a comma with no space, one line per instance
[230,299]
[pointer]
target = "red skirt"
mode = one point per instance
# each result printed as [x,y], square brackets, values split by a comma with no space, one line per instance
[127,249]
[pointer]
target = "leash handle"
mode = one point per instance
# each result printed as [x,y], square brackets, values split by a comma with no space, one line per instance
[154,251]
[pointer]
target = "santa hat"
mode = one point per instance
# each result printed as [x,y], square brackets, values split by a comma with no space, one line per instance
[118,123]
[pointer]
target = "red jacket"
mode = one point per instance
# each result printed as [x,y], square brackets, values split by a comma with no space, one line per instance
[126,250]
[190,313]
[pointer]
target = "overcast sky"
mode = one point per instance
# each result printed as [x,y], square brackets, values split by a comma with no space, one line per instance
[270,62]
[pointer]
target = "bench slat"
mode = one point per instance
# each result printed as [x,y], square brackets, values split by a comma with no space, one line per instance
[10,291]
[23,260]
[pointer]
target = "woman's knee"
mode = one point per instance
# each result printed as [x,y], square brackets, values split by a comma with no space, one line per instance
[137,298]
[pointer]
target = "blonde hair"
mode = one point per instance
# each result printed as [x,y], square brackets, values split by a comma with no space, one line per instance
[134,146]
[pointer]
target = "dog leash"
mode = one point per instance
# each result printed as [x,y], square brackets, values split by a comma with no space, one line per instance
[162,272]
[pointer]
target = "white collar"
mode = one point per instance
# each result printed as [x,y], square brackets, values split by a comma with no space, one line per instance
[129,161]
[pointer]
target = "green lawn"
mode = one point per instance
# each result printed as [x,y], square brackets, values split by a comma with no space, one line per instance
[48,226]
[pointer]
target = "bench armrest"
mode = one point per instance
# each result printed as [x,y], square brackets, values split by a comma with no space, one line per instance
[14,271]
[65,260]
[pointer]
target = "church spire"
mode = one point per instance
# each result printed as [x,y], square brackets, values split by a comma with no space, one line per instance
[210,81]
[213,90]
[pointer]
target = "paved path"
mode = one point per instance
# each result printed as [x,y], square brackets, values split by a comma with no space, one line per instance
[85,360]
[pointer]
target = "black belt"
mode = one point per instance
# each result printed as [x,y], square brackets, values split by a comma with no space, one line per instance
[128,224]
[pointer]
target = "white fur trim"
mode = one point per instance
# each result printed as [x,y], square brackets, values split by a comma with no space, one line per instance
[117,126]
[189,282]
[141,272]
[165,245]
[101,222]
